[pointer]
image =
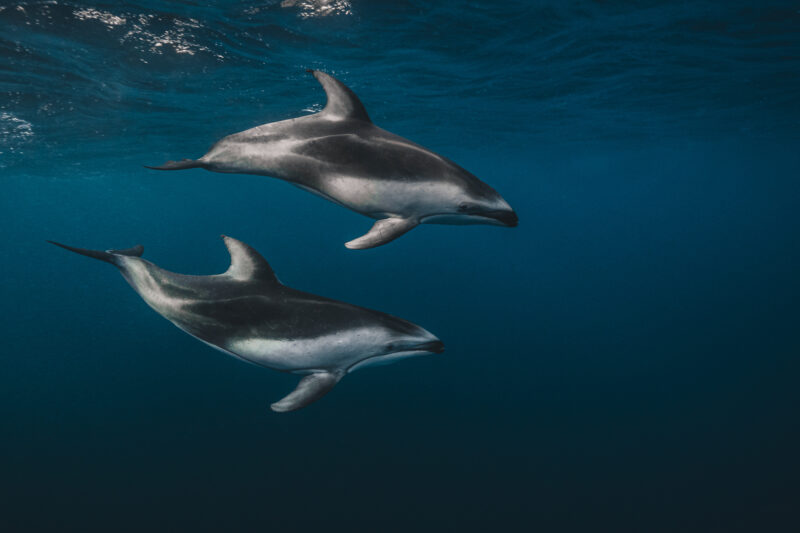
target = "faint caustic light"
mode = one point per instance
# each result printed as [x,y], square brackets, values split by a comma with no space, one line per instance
[14,133]
[319,8]
[151,33]
[109,19]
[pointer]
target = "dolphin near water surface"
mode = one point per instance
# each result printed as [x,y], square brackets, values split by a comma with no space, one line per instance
[340,155]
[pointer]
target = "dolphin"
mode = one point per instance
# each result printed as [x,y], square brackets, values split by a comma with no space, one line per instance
[247,313]
[340,155]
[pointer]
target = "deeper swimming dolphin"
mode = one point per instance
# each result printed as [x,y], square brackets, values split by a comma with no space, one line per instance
[246,312]
[340,155]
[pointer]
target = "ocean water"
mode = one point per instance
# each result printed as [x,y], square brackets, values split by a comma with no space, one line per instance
[627,359]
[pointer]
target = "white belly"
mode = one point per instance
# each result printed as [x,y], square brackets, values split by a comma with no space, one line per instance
[381,198]
[327,352]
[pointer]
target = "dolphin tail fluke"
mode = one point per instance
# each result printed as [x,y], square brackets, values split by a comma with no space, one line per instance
[107,256]
[384,230]
[178,165]
[310,389]
[133,251]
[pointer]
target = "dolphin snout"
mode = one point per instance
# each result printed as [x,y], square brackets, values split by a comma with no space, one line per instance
[428,342]
[436,346]
[506,217]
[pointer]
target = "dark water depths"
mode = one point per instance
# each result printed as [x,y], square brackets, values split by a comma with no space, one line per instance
[624,360]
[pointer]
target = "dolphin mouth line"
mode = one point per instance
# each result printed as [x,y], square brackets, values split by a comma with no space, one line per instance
[433,347]
[495,218]
[506,218]
[415,351]
[420,349]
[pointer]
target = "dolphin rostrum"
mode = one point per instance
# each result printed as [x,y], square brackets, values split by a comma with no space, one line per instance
[246,312]
[341,155]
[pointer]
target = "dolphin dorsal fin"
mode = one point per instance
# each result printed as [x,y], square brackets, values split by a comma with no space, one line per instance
[246,263]
[342,102]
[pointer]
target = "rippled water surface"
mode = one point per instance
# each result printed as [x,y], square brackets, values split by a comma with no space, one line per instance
[624,360]
[568,71]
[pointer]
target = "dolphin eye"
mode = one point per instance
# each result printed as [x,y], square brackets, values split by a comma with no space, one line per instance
[390,347]
[463,206]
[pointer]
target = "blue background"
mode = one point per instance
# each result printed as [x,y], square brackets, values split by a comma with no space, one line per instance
[624,360]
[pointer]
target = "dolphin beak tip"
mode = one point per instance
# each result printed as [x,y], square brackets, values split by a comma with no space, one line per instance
[436,346]
[511,220]
[506,218]
[431,346]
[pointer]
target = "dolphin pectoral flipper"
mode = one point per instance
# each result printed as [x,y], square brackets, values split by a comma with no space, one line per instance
[383,231]
[310,389]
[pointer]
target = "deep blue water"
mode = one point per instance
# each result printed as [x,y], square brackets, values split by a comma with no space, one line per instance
[627,359]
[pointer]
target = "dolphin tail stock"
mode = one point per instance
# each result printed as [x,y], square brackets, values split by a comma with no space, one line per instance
[178,165]
[310,389]
[107,256]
